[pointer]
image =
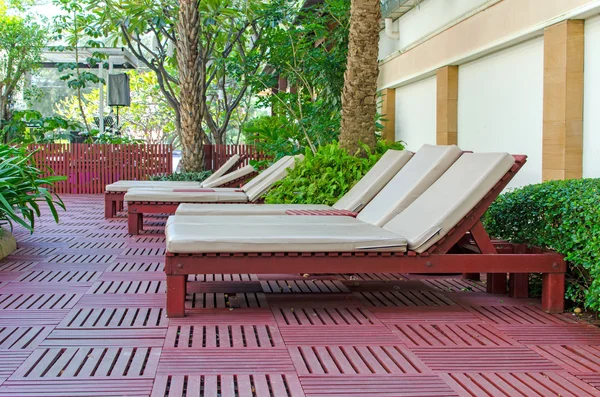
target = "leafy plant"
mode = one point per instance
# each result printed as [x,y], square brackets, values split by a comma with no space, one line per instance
[561,215]
[325,176]
[22,188]
[29,126]
[183,176]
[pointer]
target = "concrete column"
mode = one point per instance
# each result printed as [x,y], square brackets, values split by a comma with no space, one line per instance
[388,110]
[447,106]
[562,146]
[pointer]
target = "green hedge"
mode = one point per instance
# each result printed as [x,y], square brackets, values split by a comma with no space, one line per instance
[561,215]
[183,176]
[324,177]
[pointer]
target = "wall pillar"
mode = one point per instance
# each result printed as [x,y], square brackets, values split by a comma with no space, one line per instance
[447,106]
[562,146]
[388,110]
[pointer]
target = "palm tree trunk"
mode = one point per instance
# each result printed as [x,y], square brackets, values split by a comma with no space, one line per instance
[189,62]
[359,96]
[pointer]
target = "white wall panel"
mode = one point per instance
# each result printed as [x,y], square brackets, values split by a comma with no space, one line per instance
[500,104]
[415,113]
[591,104]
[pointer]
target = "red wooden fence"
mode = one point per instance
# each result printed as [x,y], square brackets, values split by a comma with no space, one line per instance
[216,155]
[90,167]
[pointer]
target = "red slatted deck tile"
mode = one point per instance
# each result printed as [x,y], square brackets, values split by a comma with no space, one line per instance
[16,266]
[404,298]
[517,315]
[82,258]
[132,276]
[38,301]
[455,285]
[572,334]
[271,385]
[303,286]
[122,300]
[372,277]
[10,360]
[224,361]
[77,388]
[53,276]
[107,337]
[89,362]
[128,287]
[223,336]
[124,317]
[222,277]
[385,286]
[95,245]
[73,267]
[6,277]
[296,276]
[324,316]
[136,266]
[325,335]
[379,385]
[448,335]
[145,252]
[576,359]
[424,314]
[351,360]
[28,317]
[223,300]
[225,316]
[591,379]
[45,288]
[313,300]
[484,299]
[519,384]
[13,338]
[484,359]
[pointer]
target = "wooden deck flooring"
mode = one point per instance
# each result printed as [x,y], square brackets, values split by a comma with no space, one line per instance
[82,314]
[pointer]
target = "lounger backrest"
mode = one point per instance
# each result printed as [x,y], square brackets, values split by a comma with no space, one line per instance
[422,170]
[373,181]
[222,170]
[259,189]
[434,213]
[232,176]
[265,173]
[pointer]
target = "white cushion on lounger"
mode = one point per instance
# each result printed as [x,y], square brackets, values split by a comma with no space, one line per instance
[346,236]
[373,181]
[261,220]
[281,172]
[244,209]
[450,198]
[123,186]
[266,172]
[185,197]
[424,168]
[222,170]
[239,173]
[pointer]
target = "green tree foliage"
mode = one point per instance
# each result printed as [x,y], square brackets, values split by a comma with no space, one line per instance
[325,176]
[21,43]
[307,53]
[561,215]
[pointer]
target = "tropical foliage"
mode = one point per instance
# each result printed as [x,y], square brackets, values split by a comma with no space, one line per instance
[325,176]
[561,215]
[22,189]
[183,176]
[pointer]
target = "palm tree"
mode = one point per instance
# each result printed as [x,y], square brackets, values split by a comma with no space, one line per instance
[359,96]
[192,93]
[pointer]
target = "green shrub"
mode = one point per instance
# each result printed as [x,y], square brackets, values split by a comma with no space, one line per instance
[183,176]
[561,215]
[324,177]
[22,188]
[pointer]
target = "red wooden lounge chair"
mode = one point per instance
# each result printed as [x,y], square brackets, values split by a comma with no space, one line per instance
[206,249]
[115,192]
[160,201]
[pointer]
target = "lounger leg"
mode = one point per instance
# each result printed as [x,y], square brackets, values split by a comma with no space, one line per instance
[134,222]
[472,276]
[518,285]
[110,208]
[496,283]
[553,292]
[176,295]
[120,206]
